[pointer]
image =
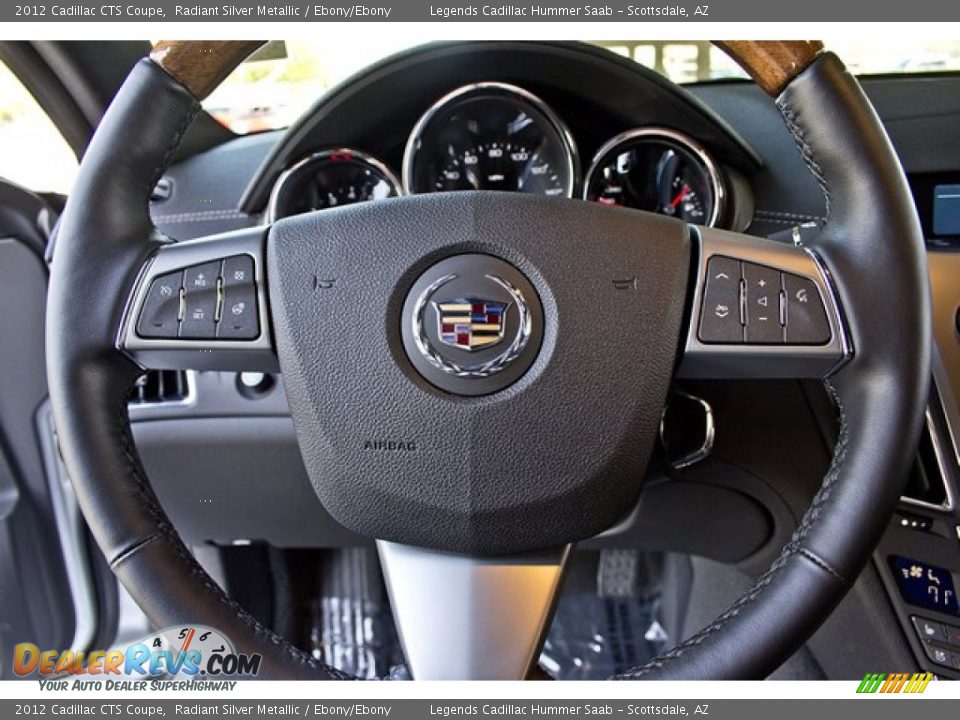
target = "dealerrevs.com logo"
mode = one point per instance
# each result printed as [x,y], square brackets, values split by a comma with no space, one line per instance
[194,653]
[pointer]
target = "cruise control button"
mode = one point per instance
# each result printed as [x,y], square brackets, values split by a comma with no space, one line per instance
[200,288]
[928,629]
[806,317]
[720,314]
[762,304]
[160,315]
[238,317]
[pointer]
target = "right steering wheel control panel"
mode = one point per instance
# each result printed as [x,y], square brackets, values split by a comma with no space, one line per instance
[744,302]
[762,309]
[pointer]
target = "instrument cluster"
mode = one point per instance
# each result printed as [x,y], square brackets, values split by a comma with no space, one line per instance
[496,136]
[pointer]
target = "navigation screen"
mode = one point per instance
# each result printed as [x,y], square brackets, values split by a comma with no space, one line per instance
[946,210]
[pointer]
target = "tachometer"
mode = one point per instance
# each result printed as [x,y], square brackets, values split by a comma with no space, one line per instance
[491,136]
[658,170]
[331,178]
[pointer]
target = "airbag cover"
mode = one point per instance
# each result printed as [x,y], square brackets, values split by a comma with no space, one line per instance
[558,454]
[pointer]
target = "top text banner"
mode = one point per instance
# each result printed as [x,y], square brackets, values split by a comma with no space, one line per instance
[440,11]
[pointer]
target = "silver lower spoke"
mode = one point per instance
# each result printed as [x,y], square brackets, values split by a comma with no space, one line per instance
[470,618]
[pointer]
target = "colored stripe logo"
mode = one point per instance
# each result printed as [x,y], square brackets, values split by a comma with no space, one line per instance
[914,683]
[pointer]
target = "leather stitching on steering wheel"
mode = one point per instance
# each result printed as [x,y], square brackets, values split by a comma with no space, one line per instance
[171,150]
[166,534]
[791,548]
[792,121]
[839,456]
[813,513]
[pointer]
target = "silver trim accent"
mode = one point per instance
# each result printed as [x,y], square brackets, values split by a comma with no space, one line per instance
[842,334]
[182,354]
[470,618]
[947,456]
[71,533]
[189,398]
[940,453]
[318,157]
[717,184]
[709,433]
[414,142]
[702,360]
[948,402]
[478,370]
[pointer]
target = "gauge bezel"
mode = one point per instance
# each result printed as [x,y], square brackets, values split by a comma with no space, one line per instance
[414,145]
[301,165]
[717,185]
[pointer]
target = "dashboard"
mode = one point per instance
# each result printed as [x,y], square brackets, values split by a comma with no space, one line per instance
[499,136]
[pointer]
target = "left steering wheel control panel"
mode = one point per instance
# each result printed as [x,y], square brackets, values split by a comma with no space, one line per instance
[213,300]
[202,305]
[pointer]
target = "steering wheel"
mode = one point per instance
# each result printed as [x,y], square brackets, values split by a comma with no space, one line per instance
[476,379]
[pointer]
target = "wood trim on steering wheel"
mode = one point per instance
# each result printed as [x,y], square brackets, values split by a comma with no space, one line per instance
[201,65]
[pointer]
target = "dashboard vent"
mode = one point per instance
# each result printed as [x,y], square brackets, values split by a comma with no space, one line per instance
[160,386]
[929,485]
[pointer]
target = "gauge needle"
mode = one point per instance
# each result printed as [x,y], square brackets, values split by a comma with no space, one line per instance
[680,196]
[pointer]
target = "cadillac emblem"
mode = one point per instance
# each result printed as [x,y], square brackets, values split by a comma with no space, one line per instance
[496,332]
[470,323]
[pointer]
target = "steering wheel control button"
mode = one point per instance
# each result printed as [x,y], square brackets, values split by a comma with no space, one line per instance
[238,271]
[200,286]
[238,311]
[953,636]
[160,316]
[806,316]
[928,629]
[762,305]
[472,324]
[238,315]
[941,656]
[720,316]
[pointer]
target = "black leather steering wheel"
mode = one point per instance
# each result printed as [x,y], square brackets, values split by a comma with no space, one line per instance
[400,451]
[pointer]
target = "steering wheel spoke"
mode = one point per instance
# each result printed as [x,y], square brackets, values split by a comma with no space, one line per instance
[464,617]
[761,309]
[202,305]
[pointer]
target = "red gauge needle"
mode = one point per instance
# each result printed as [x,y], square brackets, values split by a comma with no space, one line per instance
[680,196]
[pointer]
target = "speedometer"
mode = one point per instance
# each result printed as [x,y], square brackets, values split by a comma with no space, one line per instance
[657,170]
[491,136]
